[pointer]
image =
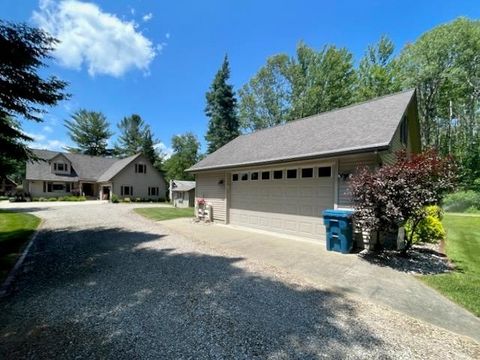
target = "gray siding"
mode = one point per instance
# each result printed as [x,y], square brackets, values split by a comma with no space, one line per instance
[209,188]
[139,182]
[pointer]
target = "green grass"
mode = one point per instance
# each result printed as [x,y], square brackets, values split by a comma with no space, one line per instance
[463,248]
[15,230]
[160,214]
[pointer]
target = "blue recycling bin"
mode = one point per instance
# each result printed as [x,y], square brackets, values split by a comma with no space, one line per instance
[339,228]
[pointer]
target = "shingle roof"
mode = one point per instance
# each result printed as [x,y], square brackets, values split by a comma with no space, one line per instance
[367,125]
[84,167]
[182,185]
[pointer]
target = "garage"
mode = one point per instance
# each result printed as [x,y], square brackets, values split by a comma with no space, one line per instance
[288,201]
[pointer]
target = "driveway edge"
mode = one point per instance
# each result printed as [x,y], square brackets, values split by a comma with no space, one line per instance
[7,284]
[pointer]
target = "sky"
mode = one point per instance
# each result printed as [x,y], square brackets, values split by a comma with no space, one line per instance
[157,58]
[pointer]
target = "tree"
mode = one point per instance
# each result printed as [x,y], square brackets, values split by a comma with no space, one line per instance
[265,99]
[90,130]
[388,197]
[23,93]
[378,72]
[221,108]
[136,136]
[186,154]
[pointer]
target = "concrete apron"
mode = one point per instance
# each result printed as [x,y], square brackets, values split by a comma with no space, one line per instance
[341,273]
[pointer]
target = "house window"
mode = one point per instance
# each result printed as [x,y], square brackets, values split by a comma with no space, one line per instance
[278,174]
[254,176]
[58,187]
[307,173]
[291,173]
[404,131]
[325,171]
[235,177]
[244,177]
[126,190]
[265,175]
[153,191]
[141,168]
[67,187]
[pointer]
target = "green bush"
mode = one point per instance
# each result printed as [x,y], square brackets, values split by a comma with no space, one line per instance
[3,198]
[430,229]
[52,199]
[461,201]
[115,199]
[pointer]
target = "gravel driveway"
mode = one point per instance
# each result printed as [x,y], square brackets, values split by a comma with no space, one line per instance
[102,282]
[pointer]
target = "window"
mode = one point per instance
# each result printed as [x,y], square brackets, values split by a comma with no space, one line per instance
[324,171]
[60,167]
[404,131]
[278,174]
[254,176]
[244,177]
[58,187]
[44,186]
[307,173]
[153,191]
[126,190]
[141,168]
[67,187]
[235,177]
[291,173]
[265,175]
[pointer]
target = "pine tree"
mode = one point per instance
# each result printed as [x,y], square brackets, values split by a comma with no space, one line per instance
[90,131]
[222,110]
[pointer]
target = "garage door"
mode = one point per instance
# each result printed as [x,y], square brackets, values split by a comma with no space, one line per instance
[291,204]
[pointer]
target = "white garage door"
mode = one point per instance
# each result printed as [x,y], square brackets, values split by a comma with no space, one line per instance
[290,205]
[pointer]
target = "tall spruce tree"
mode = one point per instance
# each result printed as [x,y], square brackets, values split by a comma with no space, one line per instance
[90,130]
[186,154]
[23,93]
[135,136]
[221,108]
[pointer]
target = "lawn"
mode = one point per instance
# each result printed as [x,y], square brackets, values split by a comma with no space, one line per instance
[160,214]
[463,248]
[15,231]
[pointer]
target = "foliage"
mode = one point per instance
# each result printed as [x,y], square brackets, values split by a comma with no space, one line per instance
[463,249]
[378,72]
[186,154]
[90,131]
[115,199]
[165,213]
[135,136]
[389,196]
[462,201]
[221,109]
[429,229]
[23,92]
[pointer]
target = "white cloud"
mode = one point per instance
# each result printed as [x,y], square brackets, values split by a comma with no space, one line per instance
[164,150]
[167,36]
[47,129]
[40,141]
[147,17]
[102,42]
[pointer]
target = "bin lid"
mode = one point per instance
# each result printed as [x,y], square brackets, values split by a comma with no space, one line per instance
[338,213]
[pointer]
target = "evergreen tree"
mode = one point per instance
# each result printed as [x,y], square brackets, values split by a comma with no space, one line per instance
[136,136]
[90,130]
[23,93]
[221,106]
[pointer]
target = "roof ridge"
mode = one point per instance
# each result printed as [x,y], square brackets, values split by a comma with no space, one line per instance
[330,111]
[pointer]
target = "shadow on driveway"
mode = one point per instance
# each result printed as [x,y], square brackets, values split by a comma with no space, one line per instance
[108,292]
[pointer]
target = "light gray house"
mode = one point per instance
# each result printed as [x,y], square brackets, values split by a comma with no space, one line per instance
[280,179]
[62,174]
[182,193]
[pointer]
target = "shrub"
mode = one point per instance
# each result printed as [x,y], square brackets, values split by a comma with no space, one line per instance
[115,199]
[429,229]
[460,201]
[52,199]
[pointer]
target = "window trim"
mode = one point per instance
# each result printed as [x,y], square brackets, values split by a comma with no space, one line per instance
[237,175]
[254,172]
[273,174]
[244,174]
[269,175]
[324,166]
[291,178]
[307,168]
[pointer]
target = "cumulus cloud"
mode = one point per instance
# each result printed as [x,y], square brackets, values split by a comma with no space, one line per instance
[164,150]
[40,141]
[89,37]
[147,17]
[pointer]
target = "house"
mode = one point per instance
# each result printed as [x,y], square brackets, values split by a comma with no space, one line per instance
[7,186]
[61,174]
[280,179]
[182,193]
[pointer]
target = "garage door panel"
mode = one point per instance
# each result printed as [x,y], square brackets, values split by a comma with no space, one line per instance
[286,206]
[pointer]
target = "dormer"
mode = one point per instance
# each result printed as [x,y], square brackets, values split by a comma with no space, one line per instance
[60,165]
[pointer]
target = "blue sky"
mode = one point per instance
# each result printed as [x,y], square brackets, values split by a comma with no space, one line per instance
[158,58]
